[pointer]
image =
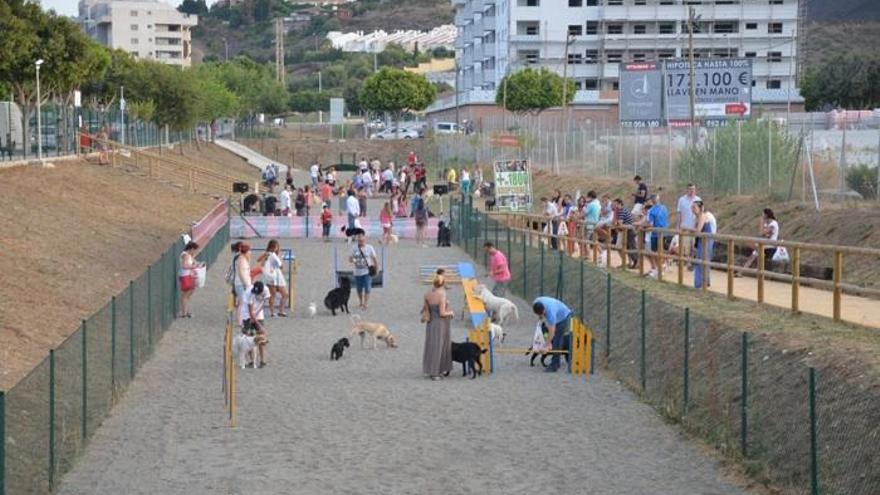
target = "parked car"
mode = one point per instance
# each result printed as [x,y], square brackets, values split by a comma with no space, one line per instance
[376,124]
[446,128]
[395,133]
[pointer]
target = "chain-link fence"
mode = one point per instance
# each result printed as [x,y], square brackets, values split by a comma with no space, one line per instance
[47,417]
[793,420]
[749,157]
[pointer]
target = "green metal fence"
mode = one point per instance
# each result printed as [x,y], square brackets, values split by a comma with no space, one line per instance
[47,417]
[794,421]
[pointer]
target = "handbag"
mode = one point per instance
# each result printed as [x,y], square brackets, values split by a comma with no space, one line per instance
[426,314]
[187,283]
[371,269]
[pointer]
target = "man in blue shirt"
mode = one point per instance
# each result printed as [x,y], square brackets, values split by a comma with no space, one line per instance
[556,316]
[657,218]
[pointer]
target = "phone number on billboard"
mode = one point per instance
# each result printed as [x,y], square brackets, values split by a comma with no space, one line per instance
[640,124]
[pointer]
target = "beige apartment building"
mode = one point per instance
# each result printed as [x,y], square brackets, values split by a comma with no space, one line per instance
[147,29]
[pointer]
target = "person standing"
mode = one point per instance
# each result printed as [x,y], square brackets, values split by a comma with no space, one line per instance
[387,180]
[273,277]
[353,208]
[437,356]
[285,201]
[385,217]
[420,214]
[465,181]
[326,192]
[242,281]
[451,179]
[251,317]
[657,218]
[706,224]
[556,316]
[499,270]
[187,276]
[362,201]
[687,222]
[326,221]
[641,194]
[363,257]
[314,173]
[622,221]
[591,213]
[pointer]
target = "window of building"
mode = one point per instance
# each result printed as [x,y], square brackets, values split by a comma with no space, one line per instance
[726,27]
[592,27]
[663,54]
[575,30]
[591,56]
[575,59]
[615,2]
[591,84]
[528,3]
[134,54]
[639,2]
[575,3]
[774,28]
[528,28]
[776,2]
[614,28]
[638,57]
[532,30]
[578,85]
[134,13]
[134,41]
[774,56]
[614,57]
[528,56]
[592,3]
[750,54]
[615,85]
[639,29]
[774,84]
[134,27]
[666,28]
[751,25]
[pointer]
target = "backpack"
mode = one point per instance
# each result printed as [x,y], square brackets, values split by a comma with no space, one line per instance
[230,272]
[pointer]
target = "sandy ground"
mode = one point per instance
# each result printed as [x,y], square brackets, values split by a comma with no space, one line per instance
[371,423]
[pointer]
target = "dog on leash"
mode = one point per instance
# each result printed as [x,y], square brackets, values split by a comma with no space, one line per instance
[468,354]
[243,347]
[338,348]
[377,331]
[313,309]
[499,307]
[338,298]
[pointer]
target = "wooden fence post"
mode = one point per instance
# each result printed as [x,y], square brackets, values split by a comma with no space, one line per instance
[838,275]
[795,279]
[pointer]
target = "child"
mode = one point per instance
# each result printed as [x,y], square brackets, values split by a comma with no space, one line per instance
[326,219]
[385,220]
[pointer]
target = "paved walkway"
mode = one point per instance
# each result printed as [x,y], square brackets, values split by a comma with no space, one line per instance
[371,423]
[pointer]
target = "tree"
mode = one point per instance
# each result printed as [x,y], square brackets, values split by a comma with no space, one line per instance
[396,91]
[197,7]
[853,81]
[309,101]
[533,91]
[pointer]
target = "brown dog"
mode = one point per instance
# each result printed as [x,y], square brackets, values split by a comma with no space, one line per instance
[377,331]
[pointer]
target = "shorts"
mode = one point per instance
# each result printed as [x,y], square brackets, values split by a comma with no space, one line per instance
[420,222]
[655,242]
[363,283]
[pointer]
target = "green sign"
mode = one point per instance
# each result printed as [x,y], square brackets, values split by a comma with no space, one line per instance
[513,185]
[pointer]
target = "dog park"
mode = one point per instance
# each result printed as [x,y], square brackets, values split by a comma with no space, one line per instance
[326,417]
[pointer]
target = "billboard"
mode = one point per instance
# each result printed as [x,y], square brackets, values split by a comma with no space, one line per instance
[722,90]
[640,86]
[337,106]
[513,185]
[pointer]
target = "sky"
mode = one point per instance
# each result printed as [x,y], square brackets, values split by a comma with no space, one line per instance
[69,7]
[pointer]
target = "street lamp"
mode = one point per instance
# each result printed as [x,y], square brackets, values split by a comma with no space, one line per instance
[38,63]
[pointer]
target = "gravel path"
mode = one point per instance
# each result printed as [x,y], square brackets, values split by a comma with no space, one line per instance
[371,423]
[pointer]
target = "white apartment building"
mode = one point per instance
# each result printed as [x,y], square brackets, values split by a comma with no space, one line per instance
[497,36]
[147,29]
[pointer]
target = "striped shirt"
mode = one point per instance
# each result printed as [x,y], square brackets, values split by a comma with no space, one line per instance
[624,216]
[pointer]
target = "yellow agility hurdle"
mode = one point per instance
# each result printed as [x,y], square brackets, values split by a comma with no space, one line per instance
[480,336]
[580,352]
[229,390]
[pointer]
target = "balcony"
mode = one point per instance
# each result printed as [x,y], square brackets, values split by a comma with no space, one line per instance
[488,50]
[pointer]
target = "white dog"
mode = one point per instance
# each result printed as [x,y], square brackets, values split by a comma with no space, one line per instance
[243,346]
[496,333]
[313,310]
[500,307]
[395,238]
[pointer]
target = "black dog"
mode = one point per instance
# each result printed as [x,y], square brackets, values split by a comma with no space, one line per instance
[444,235]
[468,354]
[338,297]
[543,355]
[490,204]
[338,349]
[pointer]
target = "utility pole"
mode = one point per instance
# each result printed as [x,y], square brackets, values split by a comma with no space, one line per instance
[692,70]
[320,85]
[375,61]
[569,39]
[279,50]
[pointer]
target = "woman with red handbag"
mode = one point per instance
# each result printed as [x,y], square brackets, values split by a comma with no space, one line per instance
[187,277]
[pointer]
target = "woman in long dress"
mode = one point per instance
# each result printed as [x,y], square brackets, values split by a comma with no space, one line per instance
[706,224]
[437,358]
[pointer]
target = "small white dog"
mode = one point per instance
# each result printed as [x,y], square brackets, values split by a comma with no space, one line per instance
[313,309]
[496,333]
[395,238]
[500,307]
[243,346]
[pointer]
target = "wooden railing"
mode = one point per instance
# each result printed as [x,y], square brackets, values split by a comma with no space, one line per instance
[165,167]
[590,248]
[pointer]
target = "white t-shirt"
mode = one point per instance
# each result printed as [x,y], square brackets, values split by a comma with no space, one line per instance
[551,209]
[366,177]
[773,225]
[465,176]
[285,199]
[362,261]
[314,171]
[387,175]
[353,206]
[257,300]
[688,219]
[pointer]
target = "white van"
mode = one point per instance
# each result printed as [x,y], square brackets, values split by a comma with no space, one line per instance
[446,128]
